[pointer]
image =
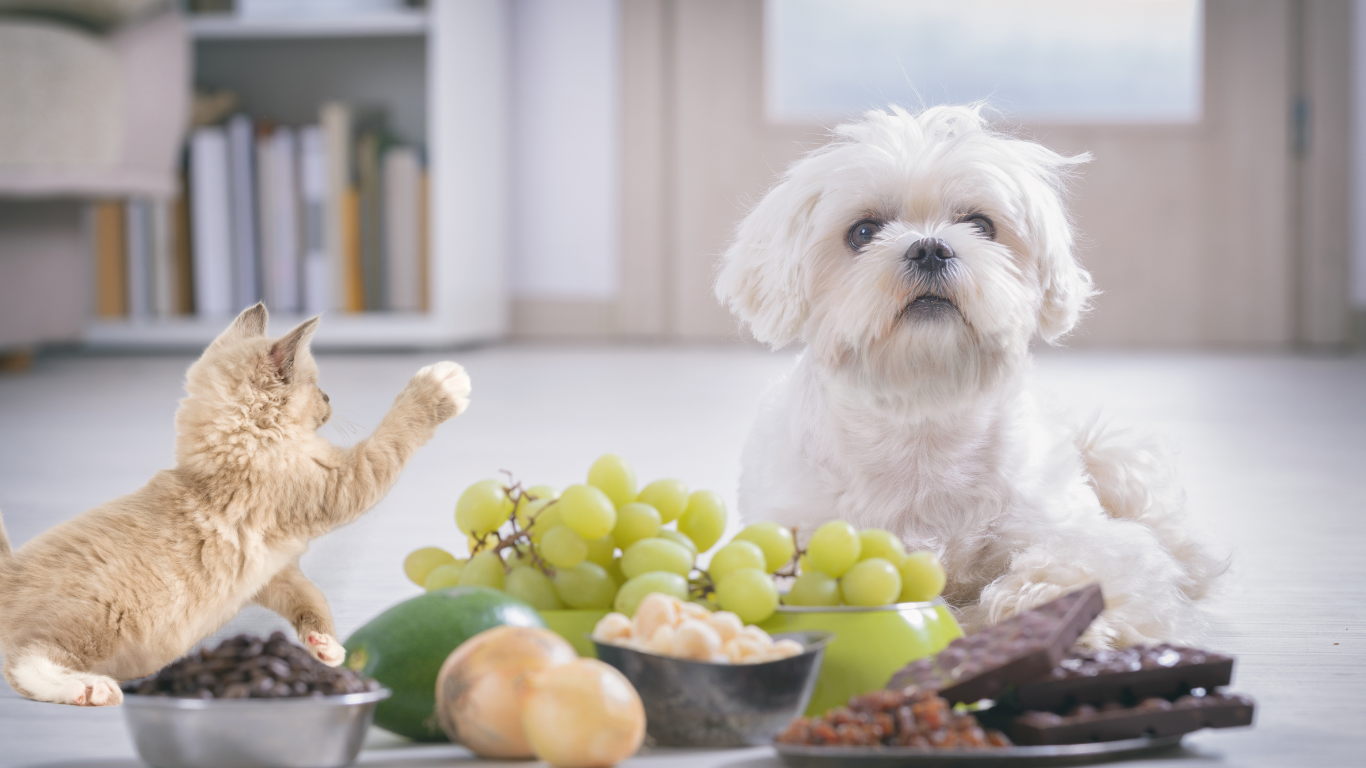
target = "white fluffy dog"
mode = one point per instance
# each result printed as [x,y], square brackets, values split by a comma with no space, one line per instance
[917,257]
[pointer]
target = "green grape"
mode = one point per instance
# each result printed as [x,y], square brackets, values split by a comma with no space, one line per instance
[563,548]
[527,583]
[587,510]
[834,548]
[614,570]
[519,555]
[922,577]
[541,493]
[614,477]
[489,540]
[482,508]
[775,540]
[527,510]
[871,582]
[875,542]
[636,589]
[420,562]
[444,575]
[748,593]
[670,497]
[483,570]
[656,555]
[585,586]
[546,519]
[704,519]
[635,521]
[814,588]
[601,551]
[678,538]
[734,556]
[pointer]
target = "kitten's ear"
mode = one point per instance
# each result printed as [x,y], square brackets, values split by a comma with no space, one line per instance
[284,351]
[249,324]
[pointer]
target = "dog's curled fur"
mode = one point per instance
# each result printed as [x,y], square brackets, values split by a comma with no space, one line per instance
[131,585]
[917,257]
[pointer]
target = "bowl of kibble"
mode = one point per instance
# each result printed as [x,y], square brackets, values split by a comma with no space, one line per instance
[251,702]
[705,678]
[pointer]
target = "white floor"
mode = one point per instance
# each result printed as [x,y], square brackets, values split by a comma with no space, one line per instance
[1273,449]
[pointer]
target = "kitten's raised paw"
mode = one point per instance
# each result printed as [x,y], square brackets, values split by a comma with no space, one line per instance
[325,648]
[454,382]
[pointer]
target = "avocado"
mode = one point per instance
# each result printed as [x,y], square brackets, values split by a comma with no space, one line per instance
[404,648]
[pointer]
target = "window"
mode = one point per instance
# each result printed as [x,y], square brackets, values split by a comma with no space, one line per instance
[1075,61]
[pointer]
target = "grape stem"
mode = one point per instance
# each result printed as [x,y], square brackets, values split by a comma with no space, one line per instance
[790,570]
[518,534]
[701,584]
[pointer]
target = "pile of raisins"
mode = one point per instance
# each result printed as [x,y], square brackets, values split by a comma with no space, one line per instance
[894,718]
[246,667]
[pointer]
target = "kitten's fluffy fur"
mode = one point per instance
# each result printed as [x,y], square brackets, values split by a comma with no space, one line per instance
[909,409]
[131,585]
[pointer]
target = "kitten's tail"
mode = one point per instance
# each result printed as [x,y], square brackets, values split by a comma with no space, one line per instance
[4,540]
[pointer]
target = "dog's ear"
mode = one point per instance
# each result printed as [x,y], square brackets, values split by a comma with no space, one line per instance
[1067,287]
[249,324]
[1067,290]
[762,276]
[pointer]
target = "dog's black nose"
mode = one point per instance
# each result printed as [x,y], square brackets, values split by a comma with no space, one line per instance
[929,254]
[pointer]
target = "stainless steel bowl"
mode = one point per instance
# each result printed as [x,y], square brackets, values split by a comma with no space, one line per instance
[322,732]
[697,704]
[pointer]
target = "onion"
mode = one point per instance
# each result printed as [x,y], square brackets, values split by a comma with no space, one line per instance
[583,714]
[476,691]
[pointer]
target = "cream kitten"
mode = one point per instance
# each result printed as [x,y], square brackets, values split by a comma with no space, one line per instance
[129,586]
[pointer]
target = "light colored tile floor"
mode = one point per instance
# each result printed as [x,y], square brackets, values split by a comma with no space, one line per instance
[1273,450]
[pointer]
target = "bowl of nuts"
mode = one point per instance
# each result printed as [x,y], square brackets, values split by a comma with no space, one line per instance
[706,680]
[251,703]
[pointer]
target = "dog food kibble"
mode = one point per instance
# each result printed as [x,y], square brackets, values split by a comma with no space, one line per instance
[246,667]
[909,718]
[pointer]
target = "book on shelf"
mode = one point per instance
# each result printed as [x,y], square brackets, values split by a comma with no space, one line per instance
[242,209]
[111,263]
[318,277]
[211,223]
[278,204]
[331,216]
[402,184]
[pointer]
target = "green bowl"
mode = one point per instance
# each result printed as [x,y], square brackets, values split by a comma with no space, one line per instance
[576,627]
[870,643]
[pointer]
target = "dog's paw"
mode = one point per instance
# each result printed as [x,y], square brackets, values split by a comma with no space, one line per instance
[455,383]
[325,648]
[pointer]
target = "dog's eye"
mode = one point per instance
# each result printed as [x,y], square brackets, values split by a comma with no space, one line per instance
[862,233]
[983,224]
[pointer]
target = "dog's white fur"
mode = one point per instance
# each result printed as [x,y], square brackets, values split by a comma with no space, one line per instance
[920,422]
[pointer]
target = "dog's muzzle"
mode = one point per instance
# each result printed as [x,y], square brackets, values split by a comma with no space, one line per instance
[929,256]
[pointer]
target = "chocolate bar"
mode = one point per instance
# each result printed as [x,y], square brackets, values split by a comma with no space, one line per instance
[1024,648]
[1112,722]
[1128,676]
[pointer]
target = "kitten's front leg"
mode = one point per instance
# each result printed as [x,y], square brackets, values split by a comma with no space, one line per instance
[298,600]
[365,472]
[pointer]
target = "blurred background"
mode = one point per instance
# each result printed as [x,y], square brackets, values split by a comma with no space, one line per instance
[460,171]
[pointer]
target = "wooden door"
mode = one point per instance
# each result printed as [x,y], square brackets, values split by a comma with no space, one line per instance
[1228,231]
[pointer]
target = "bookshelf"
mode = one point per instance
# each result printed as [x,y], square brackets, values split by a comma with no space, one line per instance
[460,114]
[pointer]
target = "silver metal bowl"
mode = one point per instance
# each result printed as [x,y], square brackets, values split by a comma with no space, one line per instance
[697,704]
[324,732]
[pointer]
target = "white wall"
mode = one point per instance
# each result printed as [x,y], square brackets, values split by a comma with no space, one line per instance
[1357,207]
[565,195]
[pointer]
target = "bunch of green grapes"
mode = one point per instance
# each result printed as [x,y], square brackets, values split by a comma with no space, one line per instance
[841,566]
[870,567]
[603,544]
